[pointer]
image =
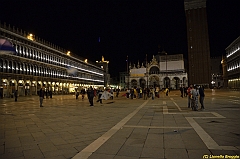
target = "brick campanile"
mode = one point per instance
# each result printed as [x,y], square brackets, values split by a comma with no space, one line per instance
[198,42]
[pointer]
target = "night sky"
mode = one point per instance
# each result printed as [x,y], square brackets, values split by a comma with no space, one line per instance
[117,28]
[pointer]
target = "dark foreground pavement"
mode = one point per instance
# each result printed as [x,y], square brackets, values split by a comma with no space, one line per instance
[121,128]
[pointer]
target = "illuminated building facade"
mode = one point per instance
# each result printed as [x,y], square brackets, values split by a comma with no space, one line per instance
[37,64]
[233,64]
[198,42]
[162,71]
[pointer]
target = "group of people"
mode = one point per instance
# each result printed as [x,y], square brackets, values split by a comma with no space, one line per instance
[43,93]
[145,93]
[194,94]
[98,93]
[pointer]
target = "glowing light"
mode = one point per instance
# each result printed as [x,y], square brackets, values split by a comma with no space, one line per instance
[30,37]
[68,53]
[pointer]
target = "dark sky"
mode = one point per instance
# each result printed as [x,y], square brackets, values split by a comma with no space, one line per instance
[125,27]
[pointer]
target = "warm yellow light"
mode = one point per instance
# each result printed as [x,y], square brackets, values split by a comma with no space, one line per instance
[68,53]
[86,60]
[30,37]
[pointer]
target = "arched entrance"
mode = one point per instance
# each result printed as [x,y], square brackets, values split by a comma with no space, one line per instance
[134,83]
[154,81]
[166,82]
[176,83]
[142,83]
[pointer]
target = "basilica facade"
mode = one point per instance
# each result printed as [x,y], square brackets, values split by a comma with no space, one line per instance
[163,71]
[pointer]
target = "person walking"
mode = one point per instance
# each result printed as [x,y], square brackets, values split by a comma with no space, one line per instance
[153,93]
[145,94]
[111,91]
[201,98]
[77,94]
[41,96]
[100,95]
[195,94]
[16,95]
[189,95]
[181,90]
[185,91]
[83,93]
[166,91]
[90,94]
[117,92]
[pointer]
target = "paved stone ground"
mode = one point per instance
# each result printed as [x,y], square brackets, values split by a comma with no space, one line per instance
[121,128]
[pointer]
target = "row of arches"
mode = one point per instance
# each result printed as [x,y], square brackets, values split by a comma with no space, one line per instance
[154,81]
[14,67]
[32,87]
[51,58]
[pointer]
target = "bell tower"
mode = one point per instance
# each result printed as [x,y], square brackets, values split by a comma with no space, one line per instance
[198,42]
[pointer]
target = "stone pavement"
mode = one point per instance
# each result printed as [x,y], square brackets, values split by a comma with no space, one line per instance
[121,128]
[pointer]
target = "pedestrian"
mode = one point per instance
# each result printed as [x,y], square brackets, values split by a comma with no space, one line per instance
[185,91]
[141,91]
[181,90]
[111,91]
[145,94]
[90,94]
[117,93]
[128,93]
[47,93]
[50,93]
[189,95]
[77,94]
[132,93]
[153,93]
[83,93]
[16,95]
[166,91]
[41,96]
[100,95]
[194,96]
[201,98]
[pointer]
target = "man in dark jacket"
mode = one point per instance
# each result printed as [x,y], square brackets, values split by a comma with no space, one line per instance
[202,95]
[90,94]
[41,96]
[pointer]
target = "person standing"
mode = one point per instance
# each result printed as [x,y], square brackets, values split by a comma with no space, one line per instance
[195,94]
[128,93]
[181,90]
[153,93]
[77,94]
[41,95]
[83,93]
[189,95]
[111,91]
[202,95]
[117,93]
[50,93]
[167,91]
[16,95]
[185,91]
[90,94]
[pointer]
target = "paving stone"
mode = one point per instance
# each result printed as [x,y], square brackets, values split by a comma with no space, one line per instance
[152,152]
[66,126]
[131,151]
[48,146]
[175,153]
